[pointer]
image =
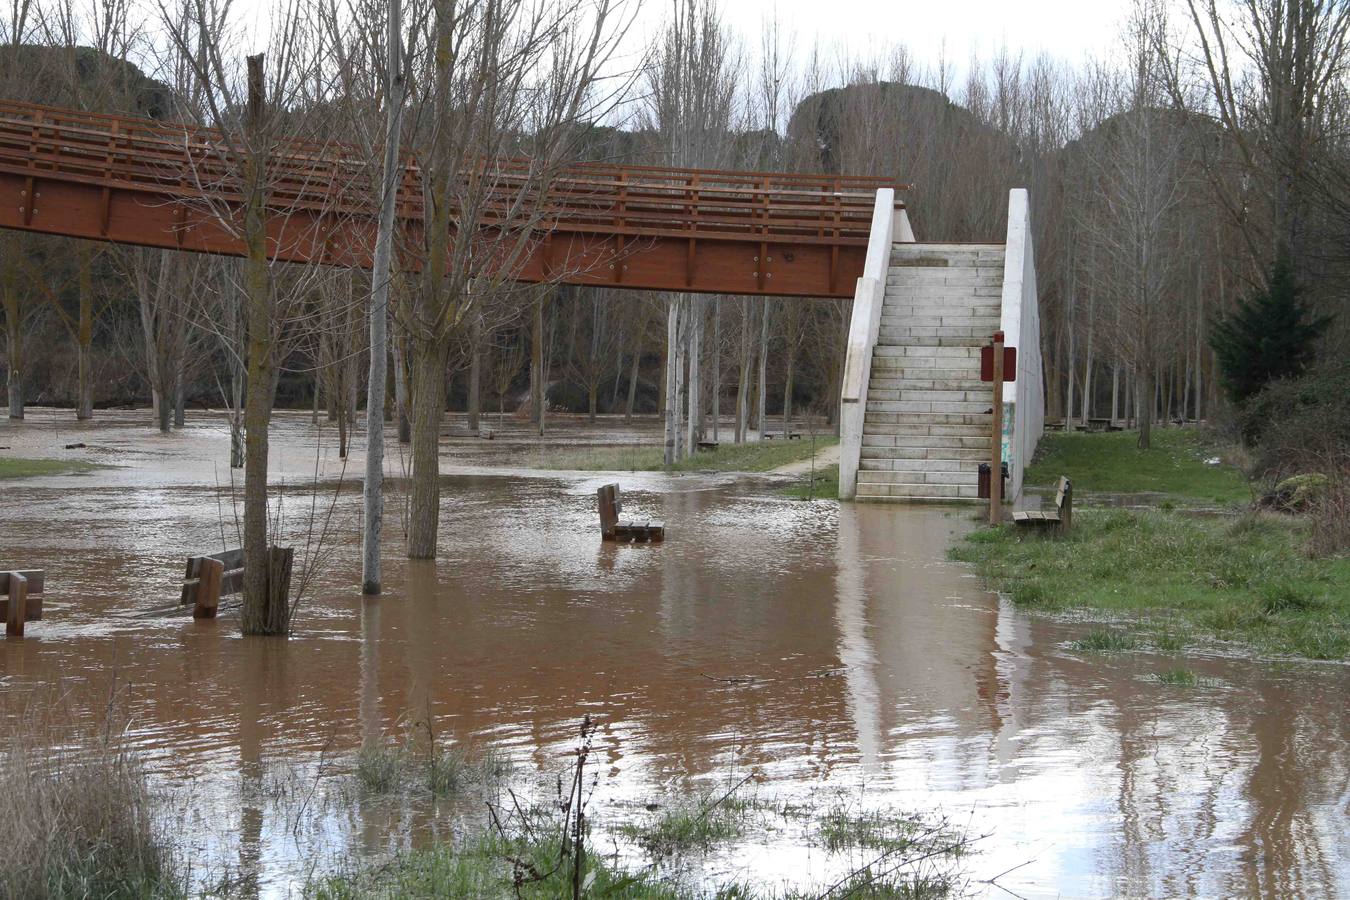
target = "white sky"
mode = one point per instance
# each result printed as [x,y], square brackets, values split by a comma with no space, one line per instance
[1065,28]
[1068,29]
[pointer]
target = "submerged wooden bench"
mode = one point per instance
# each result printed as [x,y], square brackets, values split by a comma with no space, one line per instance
[625,531]
[21,598]
[208,578]
[1059,520]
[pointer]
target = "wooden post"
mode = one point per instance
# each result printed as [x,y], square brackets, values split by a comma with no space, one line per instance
[18,605]
[209,577]
[996,437]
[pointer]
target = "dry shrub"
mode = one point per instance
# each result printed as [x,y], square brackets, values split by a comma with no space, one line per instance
[1330,513]
[77,818]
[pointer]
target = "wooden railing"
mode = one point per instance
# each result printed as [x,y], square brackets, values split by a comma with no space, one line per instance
[159,184]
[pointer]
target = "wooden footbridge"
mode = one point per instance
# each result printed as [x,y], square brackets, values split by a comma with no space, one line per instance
[138,181]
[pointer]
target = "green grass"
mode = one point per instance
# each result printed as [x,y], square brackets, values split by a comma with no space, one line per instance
[1173,579]
[387,767]
[825,486]
[1112,463]
[11,467]
[845,828]
[690,824]
[1106,641]
[1178,678]
[489,867]
[760,456]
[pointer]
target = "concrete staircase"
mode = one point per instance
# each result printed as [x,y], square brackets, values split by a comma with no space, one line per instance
[926,425]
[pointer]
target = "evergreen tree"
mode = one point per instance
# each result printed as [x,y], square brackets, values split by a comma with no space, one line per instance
[1270,335]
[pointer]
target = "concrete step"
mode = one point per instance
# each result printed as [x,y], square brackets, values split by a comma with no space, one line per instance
[970,476]
[925,435]
[915,493]
[922,458]
[891,380]
[890,334]
[972,340]
[925,293]
[948,278]
[944,352]
[927,406]
[929,395]
[922,369]
[933,445]
[899,422]
[941,317]
[918,452]
[901,314]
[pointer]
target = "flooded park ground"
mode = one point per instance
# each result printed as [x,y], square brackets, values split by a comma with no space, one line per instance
[828,656]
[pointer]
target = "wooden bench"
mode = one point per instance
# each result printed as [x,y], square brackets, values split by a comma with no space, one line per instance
[707,446]
[624,531]
[208,578]
[1059,520]
[21,598]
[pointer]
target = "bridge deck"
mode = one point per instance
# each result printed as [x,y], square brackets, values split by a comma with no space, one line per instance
[138,181]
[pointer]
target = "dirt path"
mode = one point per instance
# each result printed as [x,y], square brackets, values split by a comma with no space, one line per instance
[826,456]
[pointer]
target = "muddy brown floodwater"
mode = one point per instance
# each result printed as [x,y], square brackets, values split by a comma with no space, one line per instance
[832,649]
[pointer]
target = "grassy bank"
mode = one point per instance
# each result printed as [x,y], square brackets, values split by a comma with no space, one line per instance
[761,456]
[1167,580]
[1174,581]
[1112,463]
[11,467]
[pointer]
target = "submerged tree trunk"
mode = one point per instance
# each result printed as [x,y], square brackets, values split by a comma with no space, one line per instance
[428,404]
[179,400]
[264,612]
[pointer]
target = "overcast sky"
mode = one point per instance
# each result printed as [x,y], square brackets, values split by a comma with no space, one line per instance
[1066,28]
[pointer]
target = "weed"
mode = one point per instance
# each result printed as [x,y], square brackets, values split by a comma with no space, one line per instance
[1284,597]
[843,828]
[1105,641]
[1179,677]
[80,821]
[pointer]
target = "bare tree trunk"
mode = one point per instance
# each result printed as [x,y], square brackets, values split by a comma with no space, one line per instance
[695,386]
[428,404]
[633,379]
[1144,400]
[672,415]
[14,378]
[763,379]
[475,372]
[1115,394]
[84,404]
[263,612]
[717,372]
[791,365]
[747,363]
[179,401]
[400,361]
[537,386]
